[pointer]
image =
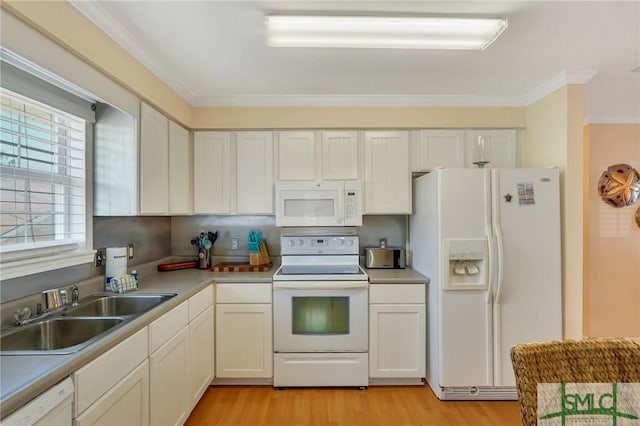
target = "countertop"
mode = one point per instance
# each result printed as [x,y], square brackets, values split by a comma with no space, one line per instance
[23,377]
[395,276]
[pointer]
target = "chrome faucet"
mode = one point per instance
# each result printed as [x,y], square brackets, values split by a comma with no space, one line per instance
[75,295]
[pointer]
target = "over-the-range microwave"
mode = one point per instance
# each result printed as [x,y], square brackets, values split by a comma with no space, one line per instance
[319,203]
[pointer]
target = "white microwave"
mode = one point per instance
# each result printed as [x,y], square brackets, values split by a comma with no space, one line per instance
[319,203]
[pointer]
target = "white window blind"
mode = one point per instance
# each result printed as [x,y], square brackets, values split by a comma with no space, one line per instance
[42,162]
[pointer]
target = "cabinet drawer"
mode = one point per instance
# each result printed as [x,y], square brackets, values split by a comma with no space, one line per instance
[200,302]
[396,293]
[167,326]
[96,378]
[243,293]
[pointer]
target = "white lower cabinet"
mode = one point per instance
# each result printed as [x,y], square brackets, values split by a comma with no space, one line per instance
[114,388]
[397,330]
[124,404]
[201,345]
[244,336]
[181,360]
[169,381]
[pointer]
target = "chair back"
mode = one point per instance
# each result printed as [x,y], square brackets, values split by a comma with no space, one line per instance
[571,361]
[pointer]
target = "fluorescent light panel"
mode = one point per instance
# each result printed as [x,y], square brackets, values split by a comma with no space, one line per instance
[382,32]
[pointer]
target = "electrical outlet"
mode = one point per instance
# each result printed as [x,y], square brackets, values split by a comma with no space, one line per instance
[235,242]
[100,258]
[130,250]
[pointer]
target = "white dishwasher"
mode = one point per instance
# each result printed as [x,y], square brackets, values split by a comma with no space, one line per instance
[53,407]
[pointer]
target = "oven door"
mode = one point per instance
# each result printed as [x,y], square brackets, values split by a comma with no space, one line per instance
[320,316]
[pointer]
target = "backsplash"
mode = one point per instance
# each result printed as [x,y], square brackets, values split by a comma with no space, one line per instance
[184,228]
[150,236]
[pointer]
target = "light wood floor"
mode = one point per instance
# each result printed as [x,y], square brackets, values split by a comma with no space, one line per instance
[380,405]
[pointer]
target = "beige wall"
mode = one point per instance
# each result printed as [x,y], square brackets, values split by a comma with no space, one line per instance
[553,137]
[612,294]
[356,117]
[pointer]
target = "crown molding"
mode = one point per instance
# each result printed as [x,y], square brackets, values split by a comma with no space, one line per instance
[560,80]
[92,10]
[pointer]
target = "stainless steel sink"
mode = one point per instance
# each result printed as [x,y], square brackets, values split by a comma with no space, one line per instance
[112,305]
[73,328]
[55,335]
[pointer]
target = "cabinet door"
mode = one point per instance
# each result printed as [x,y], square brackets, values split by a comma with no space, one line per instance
[200,355]
[397,341]
[179,170]
[296,155]
[498,146]
[339,155]
[254,173]
[154,162]
[168,381]
[211,172]
[387,182]
[437,148]
[244,346]
[126,403]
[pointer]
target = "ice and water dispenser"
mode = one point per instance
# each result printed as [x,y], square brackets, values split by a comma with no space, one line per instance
[468,264]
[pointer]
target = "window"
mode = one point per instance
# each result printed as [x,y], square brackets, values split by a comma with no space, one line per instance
[43,175]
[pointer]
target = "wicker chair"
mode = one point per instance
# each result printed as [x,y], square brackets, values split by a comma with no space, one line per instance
[571,361]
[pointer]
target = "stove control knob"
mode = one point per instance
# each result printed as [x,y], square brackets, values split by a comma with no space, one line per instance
[292,243]
[300,241]
[340,241]
[350,242]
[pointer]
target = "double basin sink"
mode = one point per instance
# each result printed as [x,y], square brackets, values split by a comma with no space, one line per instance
[75,327]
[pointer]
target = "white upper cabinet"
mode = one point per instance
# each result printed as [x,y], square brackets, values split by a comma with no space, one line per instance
[498,146]
[211,172]
[154,161]
[321,155]
[179,170]
[339,151]
[437,148]
[254,173]
[296,155]
[115,162]
[387,182]
[233,172]
[165,165]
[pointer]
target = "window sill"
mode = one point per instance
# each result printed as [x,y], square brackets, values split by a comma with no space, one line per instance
[21,268]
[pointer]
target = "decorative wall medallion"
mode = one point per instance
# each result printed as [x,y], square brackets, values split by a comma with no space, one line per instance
[619,186]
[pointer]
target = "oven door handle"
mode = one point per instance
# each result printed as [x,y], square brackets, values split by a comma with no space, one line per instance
[320,285]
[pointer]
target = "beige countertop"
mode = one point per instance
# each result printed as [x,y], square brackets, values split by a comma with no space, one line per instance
[23,377]
[396,276]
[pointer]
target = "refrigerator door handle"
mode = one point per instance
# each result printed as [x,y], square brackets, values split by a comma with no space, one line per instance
[489,302]
[500,256]
[490,265]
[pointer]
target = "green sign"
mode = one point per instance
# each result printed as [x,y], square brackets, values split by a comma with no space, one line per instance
[562,404]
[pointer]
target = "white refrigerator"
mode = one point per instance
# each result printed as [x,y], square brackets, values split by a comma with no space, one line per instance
[489,240]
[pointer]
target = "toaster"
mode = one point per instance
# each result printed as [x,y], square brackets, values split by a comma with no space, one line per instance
[384,257]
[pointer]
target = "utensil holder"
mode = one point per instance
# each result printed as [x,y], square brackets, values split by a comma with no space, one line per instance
[204,257]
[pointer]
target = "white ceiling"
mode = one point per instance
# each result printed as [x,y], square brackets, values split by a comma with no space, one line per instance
[213,53]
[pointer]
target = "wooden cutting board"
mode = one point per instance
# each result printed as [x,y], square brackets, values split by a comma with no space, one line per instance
[240,267]
[177,265]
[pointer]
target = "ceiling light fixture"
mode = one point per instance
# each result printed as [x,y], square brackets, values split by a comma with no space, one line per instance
[385,32]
